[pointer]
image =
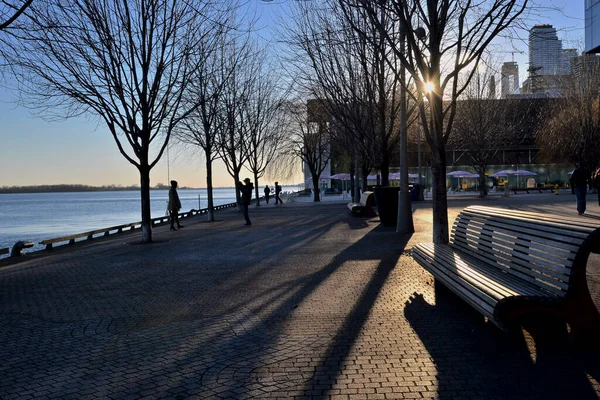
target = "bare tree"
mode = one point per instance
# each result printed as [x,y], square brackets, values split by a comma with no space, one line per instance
[443,38]
[11,10]
[483,126]
[207,85]
[127,63]
[232,143]
[308,138]
[349,75]
[265,122]
[572,132]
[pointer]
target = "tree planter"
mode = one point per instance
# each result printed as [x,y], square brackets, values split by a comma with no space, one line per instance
[386,199]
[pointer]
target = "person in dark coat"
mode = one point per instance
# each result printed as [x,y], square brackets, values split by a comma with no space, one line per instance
[579,181]
[246,194]
[267,193]
[277,191]
[174,206]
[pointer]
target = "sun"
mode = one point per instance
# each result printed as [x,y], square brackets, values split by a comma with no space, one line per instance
[428,87]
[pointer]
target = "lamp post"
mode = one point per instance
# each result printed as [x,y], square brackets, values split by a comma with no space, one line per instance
[419,158]
[404,221]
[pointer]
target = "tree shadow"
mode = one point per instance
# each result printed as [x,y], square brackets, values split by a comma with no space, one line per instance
[473,357]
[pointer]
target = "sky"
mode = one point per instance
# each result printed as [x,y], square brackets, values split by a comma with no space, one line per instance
[34,151]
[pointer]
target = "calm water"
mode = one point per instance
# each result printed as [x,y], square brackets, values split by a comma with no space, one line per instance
[38,216]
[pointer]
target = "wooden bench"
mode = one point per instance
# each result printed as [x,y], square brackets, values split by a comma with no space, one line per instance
[508,264]
[364,207]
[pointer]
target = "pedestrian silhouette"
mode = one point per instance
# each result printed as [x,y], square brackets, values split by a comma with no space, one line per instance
[579,182]
[174,206]
[277,191]
[267,193]
[246,194]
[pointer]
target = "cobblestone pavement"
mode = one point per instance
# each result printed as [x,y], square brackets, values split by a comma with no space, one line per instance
[309,302]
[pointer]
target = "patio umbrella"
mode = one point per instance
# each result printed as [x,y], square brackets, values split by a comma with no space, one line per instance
[342,176]
[505,172]
[523,172]
[459,174]
[320,177]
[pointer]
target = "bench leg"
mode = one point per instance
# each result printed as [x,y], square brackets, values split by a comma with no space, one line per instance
[584,320]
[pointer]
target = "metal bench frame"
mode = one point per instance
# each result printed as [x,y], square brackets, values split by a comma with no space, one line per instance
[508,264]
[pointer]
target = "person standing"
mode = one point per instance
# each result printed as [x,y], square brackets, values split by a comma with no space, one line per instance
[579,182]
[277,191]
[246,193]
[267,193]
[174,206]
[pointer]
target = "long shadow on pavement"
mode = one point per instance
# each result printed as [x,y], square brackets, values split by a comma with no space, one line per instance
[474,358]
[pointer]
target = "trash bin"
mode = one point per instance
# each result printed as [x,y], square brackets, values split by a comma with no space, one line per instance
[416,192]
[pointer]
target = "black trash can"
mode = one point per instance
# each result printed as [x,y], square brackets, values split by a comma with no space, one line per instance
[416,192]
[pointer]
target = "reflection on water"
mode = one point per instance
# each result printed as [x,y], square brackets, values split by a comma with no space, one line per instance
[38,216]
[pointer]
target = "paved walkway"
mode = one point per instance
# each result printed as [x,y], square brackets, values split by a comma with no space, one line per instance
[309,302]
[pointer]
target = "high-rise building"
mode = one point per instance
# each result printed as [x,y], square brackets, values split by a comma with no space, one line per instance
[568,56]
[592,26]
[509,81]
[545,51]
[492,88]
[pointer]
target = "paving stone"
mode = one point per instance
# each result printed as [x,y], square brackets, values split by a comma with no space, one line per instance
[309,303]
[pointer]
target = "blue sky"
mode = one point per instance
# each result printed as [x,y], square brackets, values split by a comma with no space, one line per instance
[34,151]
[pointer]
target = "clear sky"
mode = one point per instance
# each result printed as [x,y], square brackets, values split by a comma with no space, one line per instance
[34,151]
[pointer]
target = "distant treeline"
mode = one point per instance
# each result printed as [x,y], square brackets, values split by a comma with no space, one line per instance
[74,188]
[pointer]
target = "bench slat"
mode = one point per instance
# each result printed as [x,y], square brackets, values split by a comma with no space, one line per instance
[502,231]
[500,283]
[559,259]
[531,231]
[567,223]
[476,298]
[519,251]
[520,254]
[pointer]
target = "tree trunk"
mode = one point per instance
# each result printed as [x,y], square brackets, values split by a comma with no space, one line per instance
[385,174]
[256,190]
[316,189]
[440,198]
[145,196]
[209,191]
[356,182]
[238,199]
[482,182]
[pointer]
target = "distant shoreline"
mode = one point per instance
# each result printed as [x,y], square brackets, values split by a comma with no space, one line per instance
[68,188]
[80,188]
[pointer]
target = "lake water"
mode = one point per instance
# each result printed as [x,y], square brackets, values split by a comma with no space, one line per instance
[38,216]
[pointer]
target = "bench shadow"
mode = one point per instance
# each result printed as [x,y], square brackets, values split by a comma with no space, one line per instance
[473,356]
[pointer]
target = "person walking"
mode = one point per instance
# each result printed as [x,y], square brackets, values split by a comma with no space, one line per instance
[277,191]
[246,193]
[174,206]
[579,182]
[267,193]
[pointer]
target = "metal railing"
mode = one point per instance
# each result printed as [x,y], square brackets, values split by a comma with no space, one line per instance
[89,235]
